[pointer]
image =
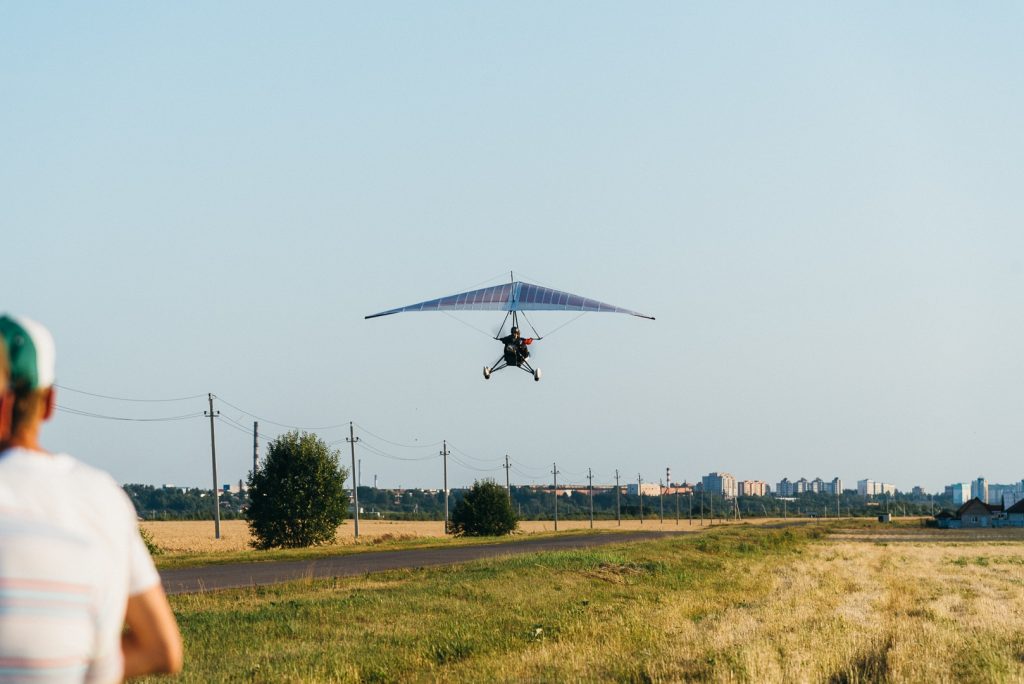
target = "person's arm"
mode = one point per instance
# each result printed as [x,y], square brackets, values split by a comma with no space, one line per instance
[152,642]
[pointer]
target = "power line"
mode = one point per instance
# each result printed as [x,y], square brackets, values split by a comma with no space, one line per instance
[379,452]
[284,425]
[232,423]
[528,476]
[466,465]
[472,458]
[113,398]
[398,444]
[161,419]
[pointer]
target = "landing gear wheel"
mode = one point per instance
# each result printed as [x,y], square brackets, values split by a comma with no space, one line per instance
[487,373]
[536,374]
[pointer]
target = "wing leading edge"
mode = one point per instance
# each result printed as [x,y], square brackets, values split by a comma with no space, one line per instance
[517,296]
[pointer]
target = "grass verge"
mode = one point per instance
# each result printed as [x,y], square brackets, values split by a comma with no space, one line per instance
[589,614]
[168,560]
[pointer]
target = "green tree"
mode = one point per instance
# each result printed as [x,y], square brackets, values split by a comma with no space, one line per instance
[484,511]
[297,496]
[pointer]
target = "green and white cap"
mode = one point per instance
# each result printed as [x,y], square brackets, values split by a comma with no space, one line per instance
[31,352]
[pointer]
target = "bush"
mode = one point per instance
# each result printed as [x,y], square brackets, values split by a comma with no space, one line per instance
[484,511]
[297,496]
[151,545]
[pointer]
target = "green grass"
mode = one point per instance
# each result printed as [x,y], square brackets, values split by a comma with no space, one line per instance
[167,560]
[503,619]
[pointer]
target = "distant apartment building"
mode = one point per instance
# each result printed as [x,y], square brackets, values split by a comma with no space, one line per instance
[917,492]
[753,488]
[979,489]
[1006,494]
[872,488]
[647,489]
[786,487]
[720,483]
[961,492]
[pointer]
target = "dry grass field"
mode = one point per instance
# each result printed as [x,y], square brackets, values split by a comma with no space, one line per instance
[737,604]
[197,536]
[865,606]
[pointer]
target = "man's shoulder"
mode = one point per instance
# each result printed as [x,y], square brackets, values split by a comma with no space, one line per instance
[57,469]
[87,474]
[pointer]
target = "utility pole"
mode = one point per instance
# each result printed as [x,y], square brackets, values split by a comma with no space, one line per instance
[702,506]
[618,515]
[689,513]
[375,480]
[444,453]
[213,454]
[640,492]
[352,439]
[590,477]
[554,472]
[359,474]
[668,483]
[677,505]
[255,445]
[508,487]
[784,514]
[711,507]
[661,502]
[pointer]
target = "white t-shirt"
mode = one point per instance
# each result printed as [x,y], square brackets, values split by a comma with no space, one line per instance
[70,556]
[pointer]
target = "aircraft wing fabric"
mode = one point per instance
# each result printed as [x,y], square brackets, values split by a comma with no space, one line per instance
[517,296]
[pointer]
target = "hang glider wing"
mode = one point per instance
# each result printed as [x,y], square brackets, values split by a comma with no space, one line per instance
[516,296]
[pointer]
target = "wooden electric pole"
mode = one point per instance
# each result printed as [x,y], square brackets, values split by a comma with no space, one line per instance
[444,453]
[508,487]
[661,502]
[590,486]
[255,445]
[618,514]
[640,493]
[352,439]
[677,504]
[213,454]
[554,472]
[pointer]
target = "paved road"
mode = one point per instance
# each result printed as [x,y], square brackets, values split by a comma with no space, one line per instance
[213,577]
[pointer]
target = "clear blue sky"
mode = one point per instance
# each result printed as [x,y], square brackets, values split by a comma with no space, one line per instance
[821,203]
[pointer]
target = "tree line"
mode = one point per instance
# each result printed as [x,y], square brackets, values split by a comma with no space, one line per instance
[158,503]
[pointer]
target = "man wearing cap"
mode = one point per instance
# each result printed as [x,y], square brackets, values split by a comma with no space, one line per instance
[73,567]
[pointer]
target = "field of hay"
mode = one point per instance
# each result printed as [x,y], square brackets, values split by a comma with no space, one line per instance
[197,536]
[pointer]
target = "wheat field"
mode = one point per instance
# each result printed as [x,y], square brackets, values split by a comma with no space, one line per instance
[197,536]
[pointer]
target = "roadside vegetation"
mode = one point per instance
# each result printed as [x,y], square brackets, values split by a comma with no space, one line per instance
[734,604]
[297,496]
[166,560]
[484,511]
